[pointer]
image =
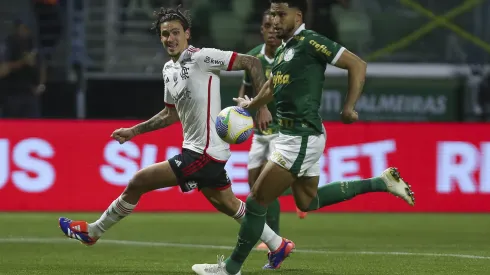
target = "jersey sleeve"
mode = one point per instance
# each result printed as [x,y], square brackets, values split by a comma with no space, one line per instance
[324,49]
[215,60]
[169,101]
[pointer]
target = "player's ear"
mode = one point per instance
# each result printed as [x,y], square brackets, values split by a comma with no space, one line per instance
[188,34]
[299,16]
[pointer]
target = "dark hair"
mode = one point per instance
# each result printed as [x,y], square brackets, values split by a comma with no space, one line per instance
[266,13]
[299,4]
[170,14]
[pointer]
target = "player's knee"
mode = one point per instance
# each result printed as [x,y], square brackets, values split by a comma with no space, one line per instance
[137,183]
[257,197]
[254,206]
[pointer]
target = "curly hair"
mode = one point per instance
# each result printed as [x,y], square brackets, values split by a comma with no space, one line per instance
[170,14]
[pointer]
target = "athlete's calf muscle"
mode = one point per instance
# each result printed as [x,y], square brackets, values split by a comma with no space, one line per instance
[304,191]
[223,200]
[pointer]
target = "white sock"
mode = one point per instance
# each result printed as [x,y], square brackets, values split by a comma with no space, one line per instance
[269,237]
[116,212]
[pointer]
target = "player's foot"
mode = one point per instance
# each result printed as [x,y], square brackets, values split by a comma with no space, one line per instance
[213,269]
[300,213]
[262,246]
[397,186]
[77,230]
[277,257]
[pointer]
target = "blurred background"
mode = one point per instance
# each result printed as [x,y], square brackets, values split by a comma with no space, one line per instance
[73,71]
[90,54]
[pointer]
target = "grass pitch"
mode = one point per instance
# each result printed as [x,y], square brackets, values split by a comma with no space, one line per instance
[328,244]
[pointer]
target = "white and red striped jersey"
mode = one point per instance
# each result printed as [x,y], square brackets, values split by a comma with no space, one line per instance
[192,86]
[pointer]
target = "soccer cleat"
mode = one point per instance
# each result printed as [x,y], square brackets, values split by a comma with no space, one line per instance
[397,186]
[277,257]
[77,230]
[300,213]
[262,246]
[213,269]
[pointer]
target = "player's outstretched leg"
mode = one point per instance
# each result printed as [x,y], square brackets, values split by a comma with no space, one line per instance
[153,177]
[332,193]
[272,182]
[273,211]
[226,202]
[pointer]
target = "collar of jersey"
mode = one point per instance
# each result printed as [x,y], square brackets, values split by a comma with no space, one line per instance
[300,29]
[262,51]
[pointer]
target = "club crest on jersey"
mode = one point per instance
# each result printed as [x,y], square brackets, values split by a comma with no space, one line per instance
[289,55]
[184,73]
[268,73]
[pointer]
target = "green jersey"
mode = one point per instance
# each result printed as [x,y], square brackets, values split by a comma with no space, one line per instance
[259,52]
[298,74]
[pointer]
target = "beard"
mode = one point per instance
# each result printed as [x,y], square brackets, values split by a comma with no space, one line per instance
[285,33]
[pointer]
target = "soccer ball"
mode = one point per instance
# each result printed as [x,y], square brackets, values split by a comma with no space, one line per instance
[234,125]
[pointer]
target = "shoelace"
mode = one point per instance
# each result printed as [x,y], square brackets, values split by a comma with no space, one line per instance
[218,267]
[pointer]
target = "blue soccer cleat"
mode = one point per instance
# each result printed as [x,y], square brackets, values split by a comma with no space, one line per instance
[77,230]
[277,257]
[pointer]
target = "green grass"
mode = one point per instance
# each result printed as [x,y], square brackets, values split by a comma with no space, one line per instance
[329,244]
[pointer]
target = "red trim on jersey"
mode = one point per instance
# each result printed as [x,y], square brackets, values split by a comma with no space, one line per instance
[193,49]
[169,105]
[232,60]
[208,115]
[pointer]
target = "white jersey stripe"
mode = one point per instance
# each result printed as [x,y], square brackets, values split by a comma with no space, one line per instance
[208,121]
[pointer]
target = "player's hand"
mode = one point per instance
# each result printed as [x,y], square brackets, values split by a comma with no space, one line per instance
[243,102]
[264,118]
[349,116]
[123,134]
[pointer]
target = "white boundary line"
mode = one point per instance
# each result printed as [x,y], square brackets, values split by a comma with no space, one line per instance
[204,246]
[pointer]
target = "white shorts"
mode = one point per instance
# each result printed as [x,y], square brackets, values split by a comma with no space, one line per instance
[261,149]
[299,155]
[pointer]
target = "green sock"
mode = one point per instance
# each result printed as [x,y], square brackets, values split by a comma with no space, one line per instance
[249,234]
[272,218]
[287,192]
[340,191]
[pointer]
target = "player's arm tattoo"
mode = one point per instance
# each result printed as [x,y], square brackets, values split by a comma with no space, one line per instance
[253,67]
[356,68]
[265,96]
[166,117]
